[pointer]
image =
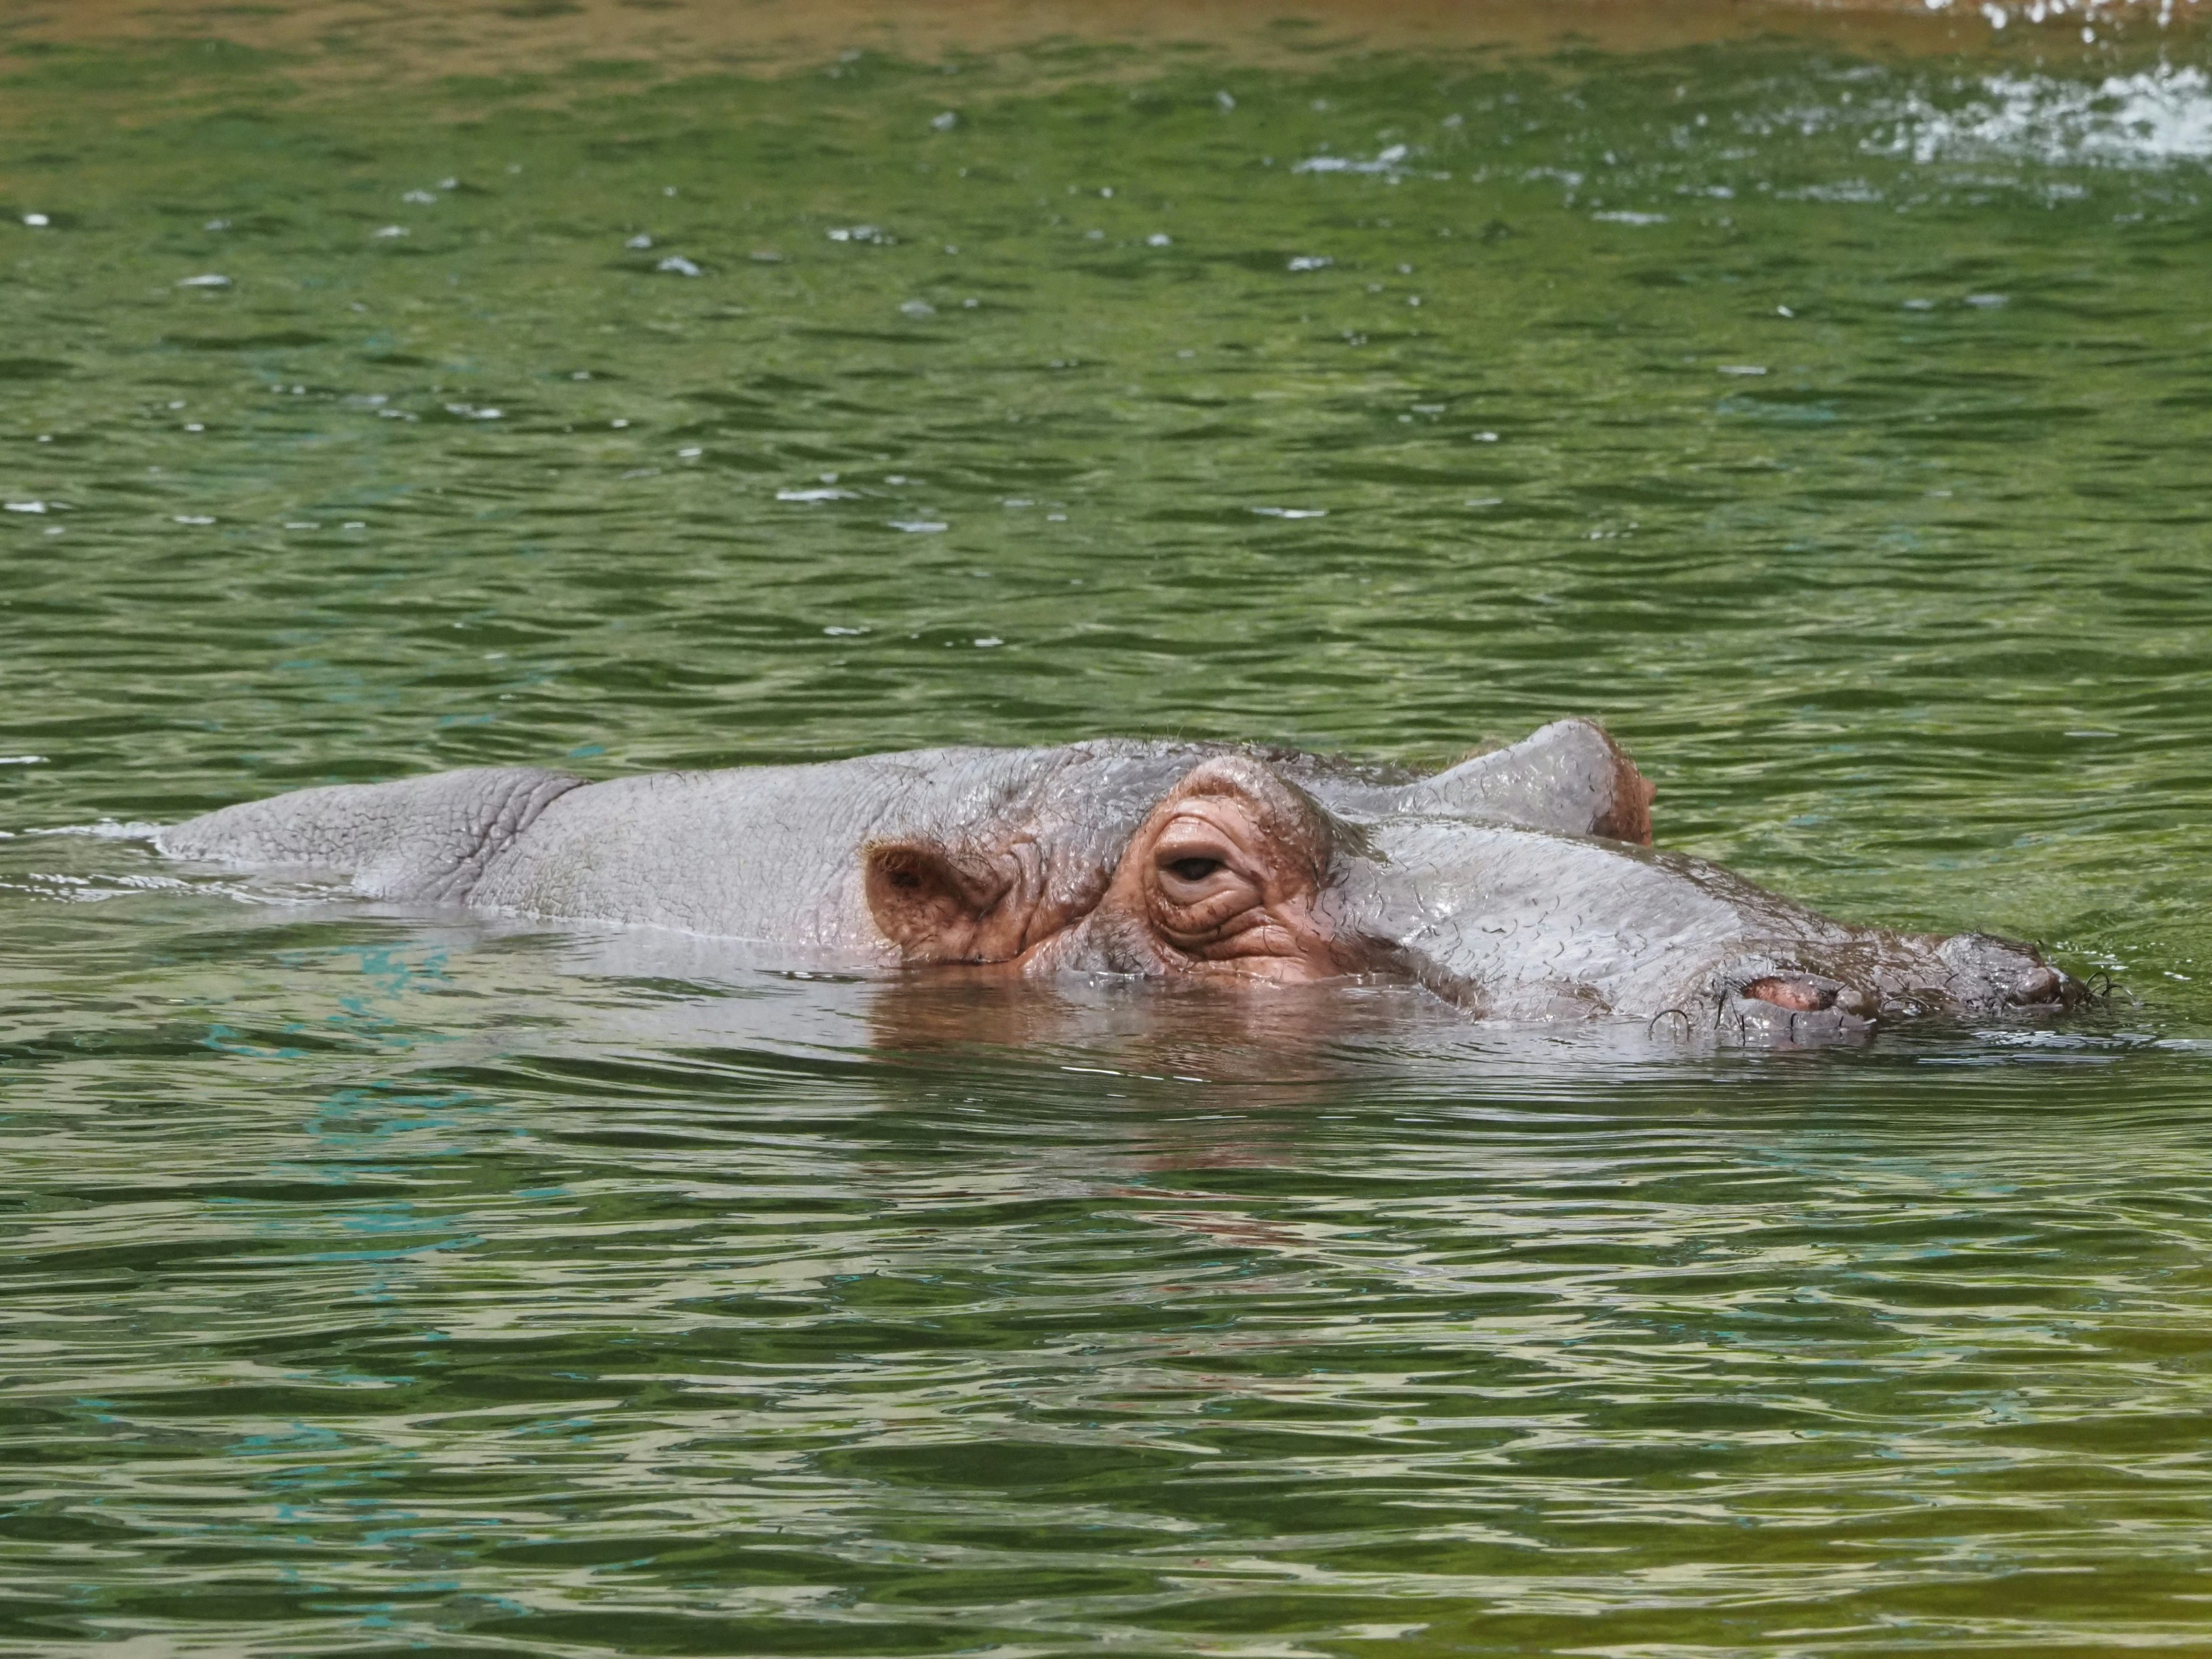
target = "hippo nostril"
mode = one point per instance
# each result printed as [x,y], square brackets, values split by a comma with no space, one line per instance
[2040,984]
[1805,996]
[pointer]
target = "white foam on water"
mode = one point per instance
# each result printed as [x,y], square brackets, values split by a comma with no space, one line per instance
[106,829]
[1391,159]
[2154,117]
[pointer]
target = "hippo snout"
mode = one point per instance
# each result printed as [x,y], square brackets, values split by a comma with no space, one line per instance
[2041,986]
[1989,973]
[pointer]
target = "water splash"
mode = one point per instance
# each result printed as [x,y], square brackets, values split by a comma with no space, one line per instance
[2154,117]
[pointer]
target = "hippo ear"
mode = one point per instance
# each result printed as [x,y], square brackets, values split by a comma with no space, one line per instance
[1569,775]
[939,905]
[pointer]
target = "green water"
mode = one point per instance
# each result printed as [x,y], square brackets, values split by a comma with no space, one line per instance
[375,1282]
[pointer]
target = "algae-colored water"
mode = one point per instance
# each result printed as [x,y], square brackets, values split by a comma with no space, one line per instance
[1833,421]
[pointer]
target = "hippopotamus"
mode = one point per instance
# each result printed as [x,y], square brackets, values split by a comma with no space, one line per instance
[1518,884]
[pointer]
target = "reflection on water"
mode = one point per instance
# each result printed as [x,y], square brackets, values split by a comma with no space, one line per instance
[1830,421]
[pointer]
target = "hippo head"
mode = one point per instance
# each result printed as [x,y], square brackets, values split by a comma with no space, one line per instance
[1232,869]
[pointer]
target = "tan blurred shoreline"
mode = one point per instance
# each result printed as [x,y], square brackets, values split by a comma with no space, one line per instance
[416,40]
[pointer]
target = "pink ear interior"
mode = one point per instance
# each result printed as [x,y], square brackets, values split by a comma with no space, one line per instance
[934,907]
[1629,816]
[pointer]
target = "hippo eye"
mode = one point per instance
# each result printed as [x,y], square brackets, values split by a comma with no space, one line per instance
[1194,869]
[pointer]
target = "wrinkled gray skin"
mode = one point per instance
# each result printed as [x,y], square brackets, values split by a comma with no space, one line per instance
[1515,885]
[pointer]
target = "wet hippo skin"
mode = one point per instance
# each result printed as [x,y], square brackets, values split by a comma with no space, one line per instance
[1518,884]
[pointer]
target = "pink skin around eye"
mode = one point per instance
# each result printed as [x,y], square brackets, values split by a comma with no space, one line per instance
[1216,901]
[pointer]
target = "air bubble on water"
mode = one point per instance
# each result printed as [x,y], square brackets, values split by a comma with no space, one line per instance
[1986,301]
[390,231]
[1291,512]
[208,280]
[1920,305]
[1623,217]
[470,412]
[1742,368]
[302,524]
[1224,101]
[690,454]
[677,265]
[845,633]
[24,506]
[918,527]
[1310,262]
[1783,311]
[668,190]
[421,196]
[1488,500]
[216,224]
[193,518]
[945,122]
[1056,518]
[639,240]
[917,309]
[22,760]
[449,184]
[36,220]
[828,478]
[618,424]
[353,524]
[809,497]
[970,303]
[1159,239]
[1482,437]
[194,426]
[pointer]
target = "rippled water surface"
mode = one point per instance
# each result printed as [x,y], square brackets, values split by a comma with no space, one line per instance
[1832,420]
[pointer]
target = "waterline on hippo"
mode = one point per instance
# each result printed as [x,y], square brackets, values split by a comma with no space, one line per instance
[1519,885]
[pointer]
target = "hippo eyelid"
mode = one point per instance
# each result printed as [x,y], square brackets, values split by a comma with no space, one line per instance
[1194,868]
